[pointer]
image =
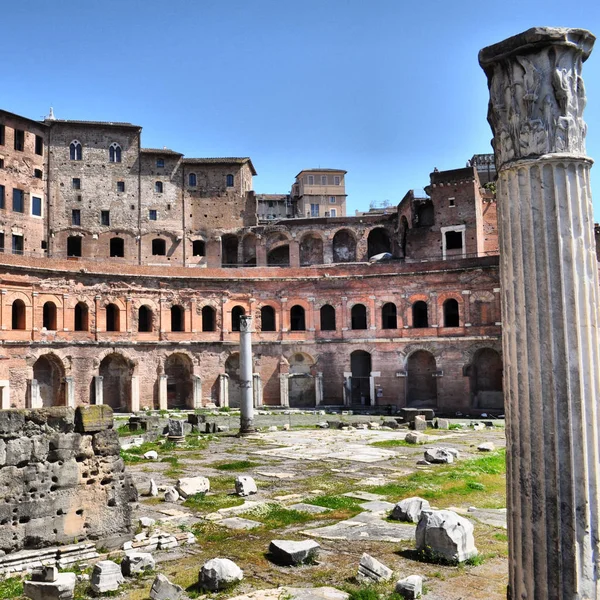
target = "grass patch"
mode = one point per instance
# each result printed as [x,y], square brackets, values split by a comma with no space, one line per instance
[12,587]
[212,502]
[236,465]
[275,516]
[394,444]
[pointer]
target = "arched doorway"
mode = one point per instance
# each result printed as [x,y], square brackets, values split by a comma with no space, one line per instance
[344,246]
[311,250]
[421,383]
[249,250]
[229,251]
[179,369]
[49,374]
[279,257]
[232,368]
[486,380]
[378,242]
[116,372]
[360,365]
[301,381]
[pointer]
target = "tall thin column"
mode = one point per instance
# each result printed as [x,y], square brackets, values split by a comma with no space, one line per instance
[550,300]
[247,401]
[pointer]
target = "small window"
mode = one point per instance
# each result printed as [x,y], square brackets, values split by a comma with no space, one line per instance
[236,313]
[1,163]
[451,202]
[1,241]
[144,319]
[19,140]
[120,186]
[297,318]
[208,318]
[359,316]
[267,318]
[2,196]
[75,152]
[17,244]
[389,319]
[323,179]
[332,200]
[159,247]
[36,206]
[327,318]
[454,240]
[198,248]
[43,244]
[229,180]
[76,217]
[38,173]
[451,313]
[113,318]
[18,314]
[419,315]
[336,180]
[152,214]
[114,153]
[311,180]
[76,183]
[192,180]
[81,317]
[158,187]
[314,210]
[18,201]
[39,145]
[49,316]
[2,134]
[74,246]
[105,217]
[160,163]
[117,247]
[177,318]
[333,212]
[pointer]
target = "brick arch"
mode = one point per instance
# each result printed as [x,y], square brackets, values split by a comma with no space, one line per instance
[118,302]
[469,353]
[43,298]
[138,302]
[73,301]
[273,239]
[11,296]
[134,362]
[412,348]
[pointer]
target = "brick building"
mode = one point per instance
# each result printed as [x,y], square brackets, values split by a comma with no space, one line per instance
[127,287]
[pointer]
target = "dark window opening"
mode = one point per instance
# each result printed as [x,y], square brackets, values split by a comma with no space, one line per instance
[117,247]
[18,314]
[198,248]
[74,246]
[208,318]
[76,183]
[49,316]
[39,145]
[38,173]
[1,163]
[359,316]
[378,242]
[159,247]
[192,180]
[160,163]
[19,140]
[229,180]
[120,186]
[75,217]
[419,314]
[158,187]
[229,251]
[36,206]
[17,244]
[451,314]
[454,240]
[297,318]
[177,314]
[18,201]
[236,313]
[114,153]
[267,318]
[75,152]
[113,318]
[152,215]
[2,135]
[327,318]
[105,217]
[2,196]
[1,241]
[81,316]
[389,319]
[144,319]
[425,215]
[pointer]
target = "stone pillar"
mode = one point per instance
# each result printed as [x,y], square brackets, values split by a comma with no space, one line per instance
[135,394]
[319,389]
[372,390]
[347,391]
[246,379]
[284,389]
[70,392]
[4,394]
[98,389]
[257,390]
[550,300]
[162,393]
[197,391]
[35,401]
[223,389]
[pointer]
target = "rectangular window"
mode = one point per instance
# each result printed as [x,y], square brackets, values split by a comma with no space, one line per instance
[76,183]
[17,244]
[314,210]
[1,163]
[39,145]
[75,217]
[160,163]
[19,140]
[1,196]
[105,217]
[18,202]
[120,186]
[451,202]
[311,180]
[332,200]
[37,173]
[333,212]
[323,179]
[36,206]
[336,180]
[1,241]
[454,240]
[152,215]
[2,133]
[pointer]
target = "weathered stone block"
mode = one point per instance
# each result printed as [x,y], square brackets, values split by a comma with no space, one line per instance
[163,589]
[18,451]
[370,570]
[137,562]
[106,577]
[218,574]
[443,534]
[106,443]
[409,509]
[289,552]
[410,587]
[188,486]
[94,418]
[245,485]
[12,422]
[63,588]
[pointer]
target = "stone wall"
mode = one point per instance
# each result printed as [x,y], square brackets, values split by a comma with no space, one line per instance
[61,478]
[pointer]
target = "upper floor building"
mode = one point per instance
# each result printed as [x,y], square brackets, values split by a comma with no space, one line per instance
[320,193]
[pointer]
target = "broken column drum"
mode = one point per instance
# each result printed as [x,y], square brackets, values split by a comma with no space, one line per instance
[550,300]
[246,371]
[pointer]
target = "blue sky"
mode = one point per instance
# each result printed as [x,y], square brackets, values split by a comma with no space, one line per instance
[385,89]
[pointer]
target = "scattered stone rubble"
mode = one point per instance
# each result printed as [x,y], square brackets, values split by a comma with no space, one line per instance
[370,570]
[409,509]
[245,485]
[137,562]
[288,552]
[48,584]
[443,534]
[163,589]
[410,587]
[219,574]
[106,577]
[189,486]
[441,455]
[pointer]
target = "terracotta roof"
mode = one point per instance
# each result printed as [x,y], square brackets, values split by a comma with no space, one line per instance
[159,151]
[221,161]
[92,123]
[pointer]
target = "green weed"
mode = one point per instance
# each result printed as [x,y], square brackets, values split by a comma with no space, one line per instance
[212,502]
[274,516]
[236,465]
[12,587]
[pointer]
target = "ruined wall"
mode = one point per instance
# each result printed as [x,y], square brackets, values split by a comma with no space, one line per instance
[61,478]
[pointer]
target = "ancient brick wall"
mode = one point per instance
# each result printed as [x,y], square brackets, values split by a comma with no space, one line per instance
[61,478]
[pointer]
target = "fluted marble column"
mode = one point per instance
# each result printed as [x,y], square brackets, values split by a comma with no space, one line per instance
[246,379]
[550,304]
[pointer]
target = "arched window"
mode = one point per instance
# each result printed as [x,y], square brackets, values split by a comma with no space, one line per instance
[236,313]
[419,314]
[451,315]
[113,318]
[117,247]
[49,316]
[327,318]
[114,152]
[159,247]
[267,318]
[158,187]
[229,251]
[75,152]
[81,317]
[192,180]
[208,318]
[198,248]
[74,245]
[359,316]
[177,314]
[297,318]
[18,314]
[229,180]
[389,318]
[144,319]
